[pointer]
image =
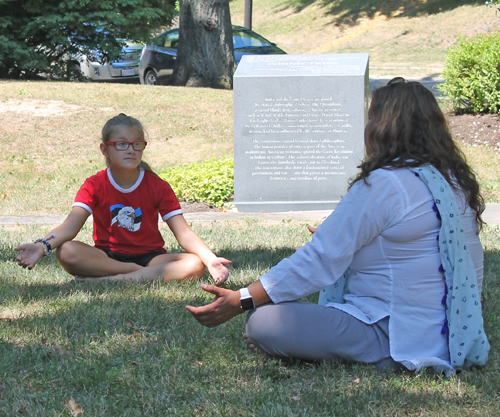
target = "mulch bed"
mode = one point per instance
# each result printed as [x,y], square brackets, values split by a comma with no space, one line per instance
[196,207]
[476,130]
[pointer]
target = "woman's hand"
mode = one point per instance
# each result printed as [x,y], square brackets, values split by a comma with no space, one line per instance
[224,307]
[218,270]
[30,254]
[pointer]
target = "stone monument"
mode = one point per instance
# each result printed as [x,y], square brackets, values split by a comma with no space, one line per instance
[298,129]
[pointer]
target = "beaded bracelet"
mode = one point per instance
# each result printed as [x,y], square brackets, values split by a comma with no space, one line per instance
[47,248]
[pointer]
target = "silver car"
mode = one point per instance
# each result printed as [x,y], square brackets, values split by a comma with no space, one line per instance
[126,68]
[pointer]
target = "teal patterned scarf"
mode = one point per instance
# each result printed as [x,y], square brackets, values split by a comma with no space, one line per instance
[467,341]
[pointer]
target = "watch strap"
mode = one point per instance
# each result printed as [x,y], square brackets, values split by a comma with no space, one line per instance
[244,293]
[246,300]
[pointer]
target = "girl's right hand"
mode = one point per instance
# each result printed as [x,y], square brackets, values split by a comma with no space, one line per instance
[312,229]
[30,254]
[218,269]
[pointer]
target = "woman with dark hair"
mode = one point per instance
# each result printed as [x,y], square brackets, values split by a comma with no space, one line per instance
[398,264]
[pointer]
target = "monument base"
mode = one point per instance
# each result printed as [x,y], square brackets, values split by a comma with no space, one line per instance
[284,206]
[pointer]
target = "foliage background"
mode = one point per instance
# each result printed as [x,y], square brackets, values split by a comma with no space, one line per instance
[210,182]
[472,74]
[36,35]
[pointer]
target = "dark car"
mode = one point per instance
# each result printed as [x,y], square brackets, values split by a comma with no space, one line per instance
[158,59]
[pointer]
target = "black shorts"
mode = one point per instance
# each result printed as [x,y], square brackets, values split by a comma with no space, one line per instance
[142,260]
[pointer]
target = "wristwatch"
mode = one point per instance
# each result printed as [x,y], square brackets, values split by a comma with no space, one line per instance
[246,300]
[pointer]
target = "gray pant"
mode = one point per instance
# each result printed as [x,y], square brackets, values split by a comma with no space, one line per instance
[315,332]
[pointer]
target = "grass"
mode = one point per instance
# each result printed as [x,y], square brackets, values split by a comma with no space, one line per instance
[46,155]
[408,38]
[50,137]
[132,349]
[123,349]
[485,165]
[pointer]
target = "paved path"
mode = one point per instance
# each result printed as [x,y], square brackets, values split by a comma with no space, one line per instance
[429,82]
[491,216]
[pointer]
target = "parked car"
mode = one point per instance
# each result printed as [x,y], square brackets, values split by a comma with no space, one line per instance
[125,68]
[158,59]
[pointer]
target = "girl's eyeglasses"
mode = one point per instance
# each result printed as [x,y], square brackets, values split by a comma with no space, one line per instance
[123,146]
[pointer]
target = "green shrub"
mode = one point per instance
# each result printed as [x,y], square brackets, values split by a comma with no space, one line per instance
[490,3]
[210,182]
[472,74]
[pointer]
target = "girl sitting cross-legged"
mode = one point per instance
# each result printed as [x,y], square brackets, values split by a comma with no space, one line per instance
[125,200]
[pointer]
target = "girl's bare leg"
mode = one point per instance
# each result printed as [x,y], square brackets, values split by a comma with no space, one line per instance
[78,258]
[178,266]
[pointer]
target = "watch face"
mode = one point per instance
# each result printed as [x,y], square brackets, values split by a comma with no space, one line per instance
[247,303]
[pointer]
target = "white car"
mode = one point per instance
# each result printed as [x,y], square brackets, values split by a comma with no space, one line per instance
[126,68]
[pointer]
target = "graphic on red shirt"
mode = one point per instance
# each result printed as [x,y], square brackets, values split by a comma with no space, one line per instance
[126,220]
[126,217]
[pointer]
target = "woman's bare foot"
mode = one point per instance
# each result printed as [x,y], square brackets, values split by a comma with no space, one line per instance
[250,343]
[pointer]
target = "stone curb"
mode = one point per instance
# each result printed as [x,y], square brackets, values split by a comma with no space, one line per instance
[491,216]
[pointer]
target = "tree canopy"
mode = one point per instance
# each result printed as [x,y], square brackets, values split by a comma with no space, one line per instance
[36,35]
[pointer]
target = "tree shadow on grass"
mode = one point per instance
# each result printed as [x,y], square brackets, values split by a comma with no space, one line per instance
[491,297]
[102,342]
[114,344]
[126,352]
[258,257]
[348,12]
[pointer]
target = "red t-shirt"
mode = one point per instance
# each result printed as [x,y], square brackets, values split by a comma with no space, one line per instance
[126,220]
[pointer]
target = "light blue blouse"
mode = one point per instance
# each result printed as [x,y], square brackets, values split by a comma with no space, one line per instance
[386,233]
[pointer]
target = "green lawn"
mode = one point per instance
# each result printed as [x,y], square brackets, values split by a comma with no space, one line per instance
[49,137]
[132,349]
[403,37]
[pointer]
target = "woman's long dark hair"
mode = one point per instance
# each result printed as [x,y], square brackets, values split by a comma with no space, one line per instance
[406,128]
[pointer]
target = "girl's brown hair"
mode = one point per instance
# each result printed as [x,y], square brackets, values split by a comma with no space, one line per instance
[123,120]
[406,128]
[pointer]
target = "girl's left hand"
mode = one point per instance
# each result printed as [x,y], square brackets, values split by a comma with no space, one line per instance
[30,254]
[218,270]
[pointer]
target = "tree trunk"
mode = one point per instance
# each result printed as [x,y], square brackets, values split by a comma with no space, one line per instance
[205,55]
